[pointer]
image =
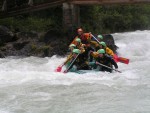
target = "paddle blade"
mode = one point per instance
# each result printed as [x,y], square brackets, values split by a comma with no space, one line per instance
[123,60]
[59,68]
[115,57]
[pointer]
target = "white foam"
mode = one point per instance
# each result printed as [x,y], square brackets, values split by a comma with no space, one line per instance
[132,45]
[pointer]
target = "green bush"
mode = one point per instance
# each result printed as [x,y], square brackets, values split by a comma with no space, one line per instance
[115,18]
[95,18]
[28,24]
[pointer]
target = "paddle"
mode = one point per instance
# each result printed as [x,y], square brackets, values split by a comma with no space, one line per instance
[59,68]
[116,58]
[95,38]
[108,67]
[123,60]
[71,64]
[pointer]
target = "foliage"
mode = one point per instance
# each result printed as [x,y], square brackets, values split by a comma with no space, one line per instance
[96,18]
[115,18]
[28,24]
[38,21]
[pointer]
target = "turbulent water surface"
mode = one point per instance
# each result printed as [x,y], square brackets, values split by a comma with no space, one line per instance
[30,85]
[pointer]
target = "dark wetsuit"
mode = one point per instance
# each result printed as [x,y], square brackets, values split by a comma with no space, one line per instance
[83,38]
[88,48]
[108,61]
[81,63]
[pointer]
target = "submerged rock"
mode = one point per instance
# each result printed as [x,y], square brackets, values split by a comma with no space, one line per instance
[5,35]
[2,55]
[58,42]
[109,40]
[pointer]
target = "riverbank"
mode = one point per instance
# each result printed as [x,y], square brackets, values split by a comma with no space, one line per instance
[40,44]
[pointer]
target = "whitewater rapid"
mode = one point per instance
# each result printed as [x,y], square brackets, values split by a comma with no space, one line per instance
[30,85]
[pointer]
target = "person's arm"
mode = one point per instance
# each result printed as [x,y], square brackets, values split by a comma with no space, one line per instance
[94,43]
[94,54]
[82,48]
[114,63]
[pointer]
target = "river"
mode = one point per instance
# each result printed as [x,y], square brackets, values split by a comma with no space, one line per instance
[30,85]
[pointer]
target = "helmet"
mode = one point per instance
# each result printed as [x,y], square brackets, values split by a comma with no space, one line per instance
[72,45]
[80,30]
[101,51]
[78,40]
[76,51]
[100,36]
[103,44]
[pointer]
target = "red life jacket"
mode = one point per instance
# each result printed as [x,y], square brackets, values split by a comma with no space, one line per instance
[85,37]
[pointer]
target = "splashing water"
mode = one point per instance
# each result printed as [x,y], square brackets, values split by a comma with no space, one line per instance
[30,85]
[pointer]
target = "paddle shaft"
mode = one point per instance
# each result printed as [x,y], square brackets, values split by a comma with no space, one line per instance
[95,38]
[59,68]
[108,67]
[71,63]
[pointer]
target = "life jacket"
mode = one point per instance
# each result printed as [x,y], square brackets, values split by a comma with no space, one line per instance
[86,38]
[94,44]
[81,47]
[94,55]
[80,63]
[74,41]
[109,51]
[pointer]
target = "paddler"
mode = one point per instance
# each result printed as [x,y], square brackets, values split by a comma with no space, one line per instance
[71,48]
[99,38]
[86,38]
[104,59]
[102,45]
[107,49]
[80,63]
[79,45]
[84,49]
